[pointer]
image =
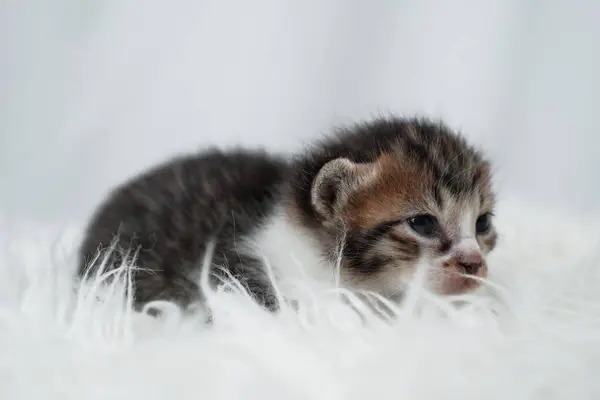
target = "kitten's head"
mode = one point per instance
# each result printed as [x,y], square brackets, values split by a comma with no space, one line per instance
[398,192]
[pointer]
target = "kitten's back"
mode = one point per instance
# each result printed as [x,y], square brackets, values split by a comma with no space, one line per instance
[170,212]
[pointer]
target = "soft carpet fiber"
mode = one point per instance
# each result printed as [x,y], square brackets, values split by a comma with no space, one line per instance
[533,333]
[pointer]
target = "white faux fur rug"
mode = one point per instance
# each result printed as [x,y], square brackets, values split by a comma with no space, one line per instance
[535,335]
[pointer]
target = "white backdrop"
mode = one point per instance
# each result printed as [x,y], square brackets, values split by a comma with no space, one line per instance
[93,91]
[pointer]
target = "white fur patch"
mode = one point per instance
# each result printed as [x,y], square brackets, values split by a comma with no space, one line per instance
[467,224]
[290,252]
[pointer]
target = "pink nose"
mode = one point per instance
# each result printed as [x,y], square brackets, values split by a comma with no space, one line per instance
[471,261]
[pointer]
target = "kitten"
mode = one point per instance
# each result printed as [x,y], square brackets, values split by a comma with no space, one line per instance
[377,196]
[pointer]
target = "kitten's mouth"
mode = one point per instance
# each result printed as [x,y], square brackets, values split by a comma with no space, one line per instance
[455,280]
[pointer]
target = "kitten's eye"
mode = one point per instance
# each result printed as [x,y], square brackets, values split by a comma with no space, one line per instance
[483,224]
[424,225]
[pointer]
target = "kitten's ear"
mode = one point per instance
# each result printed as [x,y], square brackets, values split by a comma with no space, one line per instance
[336,182]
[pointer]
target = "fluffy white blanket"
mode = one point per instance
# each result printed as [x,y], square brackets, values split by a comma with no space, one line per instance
[534,333]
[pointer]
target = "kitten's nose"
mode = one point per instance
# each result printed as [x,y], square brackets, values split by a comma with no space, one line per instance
[471,261]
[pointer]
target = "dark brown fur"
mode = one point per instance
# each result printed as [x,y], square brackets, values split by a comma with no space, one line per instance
[170,212]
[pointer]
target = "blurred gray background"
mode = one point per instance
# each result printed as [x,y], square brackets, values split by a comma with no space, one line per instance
[92,91]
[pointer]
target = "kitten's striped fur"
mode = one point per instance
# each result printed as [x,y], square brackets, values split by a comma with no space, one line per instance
[362,187]
[410,167]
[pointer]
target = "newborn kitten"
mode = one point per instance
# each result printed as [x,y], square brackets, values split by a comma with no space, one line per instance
[379,197]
